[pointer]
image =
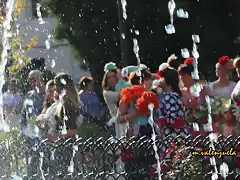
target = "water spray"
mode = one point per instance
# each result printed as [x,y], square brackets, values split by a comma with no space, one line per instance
[151,122]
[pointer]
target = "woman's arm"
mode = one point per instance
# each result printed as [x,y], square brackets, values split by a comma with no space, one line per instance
[123,114]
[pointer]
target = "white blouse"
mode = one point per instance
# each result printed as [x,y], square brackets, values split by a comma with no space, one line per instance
[223,91]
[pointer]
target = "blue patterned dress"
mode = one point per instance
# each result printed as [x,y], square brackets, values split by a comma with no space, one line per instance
[172,108]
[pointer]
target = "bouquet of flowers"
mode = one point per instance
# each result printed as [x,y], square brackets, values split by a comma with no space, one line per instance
[198,113]
[147,98]
[220,105]
[184,165]
[128,94]
[34,121]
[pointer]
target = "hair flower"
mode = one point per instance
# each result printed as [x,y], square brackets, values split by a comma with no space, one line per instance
[110,66]
[160,74]
[161,68]
[189,60]
[147,98]
[223,60]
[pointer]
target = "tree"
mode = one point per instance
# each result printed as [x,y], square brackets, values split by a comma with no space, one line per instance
[92,28]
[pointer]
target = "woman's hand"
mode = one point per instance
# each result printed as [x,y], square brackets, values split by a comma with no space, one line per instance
[130,117]
[122,119]
[119,74]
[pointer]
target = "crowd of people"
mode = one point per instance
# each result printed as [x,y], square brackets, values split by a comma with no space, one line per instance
[59,108]
[171,97]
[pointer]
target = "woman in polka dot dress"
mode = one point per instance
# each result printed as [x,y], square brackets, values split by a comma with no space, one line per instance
[172,108]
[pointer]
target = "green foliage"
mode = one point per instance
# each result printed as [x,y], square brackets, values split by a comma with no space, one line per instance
[18,59]
[188,169]
[93,130]
[185,166]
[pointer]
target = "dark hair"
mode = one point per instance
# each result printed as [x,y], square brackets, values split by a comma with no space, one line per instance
[50,83]
[64,81]
[171,78]
[104,81]
[236,62]
[174,64]
[146,74]
[47,103]
[135,79]
[84,82]
[71,105]
[186,69]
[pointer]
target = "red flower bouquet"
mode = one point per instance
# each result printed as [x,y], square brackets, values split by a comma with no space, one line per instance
[146,99]
[128,94]
[178,123]
[126,155]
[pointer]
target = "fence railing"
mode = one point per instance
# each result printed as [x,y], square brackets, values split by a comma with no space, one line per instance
[102,158]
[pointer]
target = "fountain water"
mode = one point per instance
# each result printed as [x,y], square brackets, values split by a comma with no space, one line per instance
[170,29]
[5,45]
[195,90]
[124,4]
[39,14]
[151,106]
[136,51]
[151,122]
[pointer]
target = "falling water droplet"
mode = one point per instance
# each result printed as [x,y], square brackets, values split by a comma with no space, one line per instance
[47,42]
[224,170]
[195,126]
[185,53]
[170,29]
[123,35]
[196,38]
[136,51]
[39,14]
[171,6]
[182,14]
[63,81]
[124,4]
[136,32]
[53,64]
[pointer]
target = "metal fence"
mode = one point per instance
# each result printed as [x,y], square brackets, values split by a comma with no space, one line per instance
[99,158]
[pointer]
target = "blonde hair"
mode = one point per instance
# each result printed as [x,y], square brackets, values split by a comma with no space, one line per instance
[35,74]
[236,62]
